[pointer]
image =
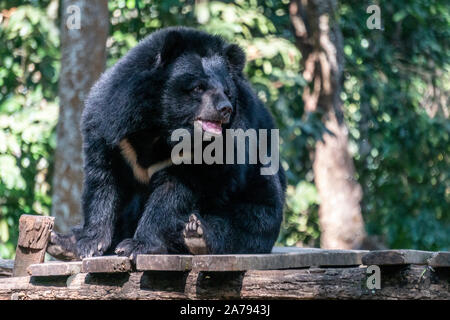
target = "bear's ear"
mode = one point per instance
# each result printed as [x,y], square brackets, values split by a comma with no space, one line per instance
[235,56]
[172,48]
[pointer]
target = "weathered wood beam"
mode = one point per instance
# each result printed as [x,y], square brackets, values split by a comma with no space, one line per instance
[287,260]
[281,258]
[440,259]
[163,262]
[408,282]
[396,257]
[294,249]
[54,268]
[34,232]
[106,264]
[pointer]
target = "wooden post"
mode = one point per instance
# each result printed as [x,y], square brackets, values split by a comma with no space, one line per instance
[34,233]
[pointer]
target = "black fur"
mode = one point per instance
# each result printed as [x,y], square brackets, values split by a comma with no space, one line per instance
[156,88]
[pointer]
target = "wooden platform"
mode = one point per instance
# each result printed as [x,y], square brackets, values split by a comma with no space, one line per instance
[287,273]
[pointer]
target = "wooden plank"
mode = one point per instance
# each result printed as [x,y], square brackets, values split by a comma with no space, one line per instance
[294,249]
[34,232]
[54,268]
[106,264]
[299,284]
[288,260]
[145,262]
[396,257]
[440,259]
[6,267]
[281,258]
[184,262]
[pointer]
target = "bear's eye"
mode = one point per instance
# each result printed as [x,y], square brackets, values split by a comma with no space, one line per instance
[227,93]
[198,89]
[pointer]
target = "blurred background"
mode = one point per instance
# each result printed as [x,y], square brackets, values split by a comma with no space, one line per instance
[363,112]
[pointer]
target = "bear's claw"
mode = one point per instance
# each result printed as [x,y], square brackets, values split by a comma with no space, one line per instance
[131,248]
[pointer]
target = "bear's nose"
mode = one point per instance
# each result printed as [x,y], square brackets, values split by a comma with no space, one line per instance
[225,108]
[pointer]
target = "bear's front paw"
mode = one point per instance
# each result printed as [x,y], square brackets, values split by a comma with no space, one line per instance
[193,235]
[62,246]
[132,247]
[92,246]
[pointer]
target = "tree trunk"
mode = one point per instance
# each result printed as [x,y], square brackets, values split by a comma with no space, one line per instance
[319,39]
[83,56]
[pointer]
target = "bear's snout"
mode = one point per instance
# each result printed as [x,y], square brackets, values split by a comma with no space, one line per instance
[216,106]
[225,109]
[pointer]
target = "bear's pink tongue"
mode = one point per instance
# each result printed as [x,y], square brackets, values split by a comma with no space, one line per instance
[211,127]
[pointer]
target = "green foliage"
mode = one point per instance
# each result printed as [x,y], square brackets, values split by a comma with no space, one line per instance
[395,94]
[300,223]
[28,112]
[401,133]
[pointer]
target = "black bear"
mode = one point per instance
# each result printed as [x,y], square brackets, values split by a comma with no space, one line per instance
[135,200]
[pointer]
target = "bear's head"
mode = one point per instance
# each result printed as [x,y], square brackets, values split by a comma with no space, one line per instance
[201,75]
[173,79]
